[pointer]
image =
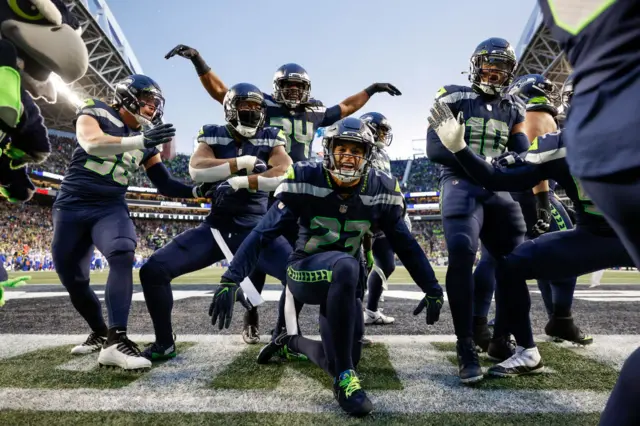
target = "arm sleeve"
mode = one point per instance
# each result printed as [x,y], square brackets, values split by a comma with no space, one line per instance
[437,152]
[410,252]
[331,115]
[518,142]
[512,179]
[167,184]
[272,225]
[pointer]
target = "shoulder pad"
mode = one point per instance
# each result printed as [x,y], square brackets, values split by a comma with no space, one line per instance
[379,180]
[99,109]
[382,189]
[304,178]
[273,137]
[315,103]
[546,148]
[454,93]
[214,134]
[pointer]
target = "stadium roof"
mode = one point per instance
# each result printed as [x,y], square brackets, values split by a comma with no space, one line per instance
[106,65]
[538,53]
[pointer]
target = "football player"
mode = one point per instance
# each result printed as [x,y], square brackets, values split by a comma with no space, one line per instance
[290,108]
[592,245]
[600,40]
[470,212]
[335,203]
[90,209]
[237,155]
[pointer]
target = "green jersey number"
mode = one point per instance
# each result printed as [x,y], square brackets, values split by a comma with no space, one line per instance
[332,225]
[121,169]
[295,130]
[487,138]
[587,204]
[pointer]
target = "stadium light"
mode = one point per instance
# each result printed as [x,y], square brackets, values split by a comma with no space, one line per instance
[63,89]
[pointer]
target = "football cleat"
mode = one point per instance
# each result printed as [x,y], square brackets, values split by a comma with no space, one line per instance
[93,343]
[349,394]
[481,333]
[564,329]
[376,318]
[501,348]
[279,347]
[159,352]
[469,368]
[365,341]
[524,361]
[124,354]
[250,331]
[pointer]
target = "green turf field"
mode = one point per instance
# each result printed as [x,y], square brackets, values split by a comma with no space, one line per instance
[212,275]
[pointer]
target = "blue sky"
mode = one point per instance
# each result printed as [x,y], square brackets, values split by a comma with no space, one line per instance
[418,45]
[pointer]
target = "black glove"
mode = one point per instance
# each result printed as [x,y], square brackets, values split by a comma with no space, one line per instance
[382,87]
[206,189]
[221,191]
[508,159]
[224,299]
[259,167]
[190,53]
[158,135]
[543,208]
[433,305]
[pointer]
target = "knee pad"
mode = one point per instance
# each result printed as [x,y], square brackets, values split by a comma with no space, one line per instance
[122,252]
[153,273]
[461,244]
[346,271]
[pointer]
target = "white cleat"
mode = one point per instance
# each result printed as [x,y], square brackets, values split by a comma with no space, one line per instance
[124,354]
[93,343]
[524,361]
[376,318]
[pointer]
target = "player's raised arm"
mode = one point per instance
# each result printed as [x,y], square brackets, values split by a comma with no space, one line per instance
[211,82]
[95,142]
[354,102]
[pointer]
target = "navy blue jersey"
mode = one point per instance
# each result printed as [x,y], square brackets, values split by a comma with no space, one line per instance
[489,121]
[94,181]
[300,124]
[546,159]
[245,207]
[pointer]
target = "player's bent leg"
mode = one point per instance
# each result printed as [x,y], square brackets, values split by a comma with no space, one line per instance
[71,250]
[330,279]
[190,251]
[617,198]
[623,409]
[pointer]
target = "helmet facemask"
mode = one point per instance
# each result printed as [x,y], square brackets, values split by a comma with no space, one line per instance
[292,90]
[492,72]
[152,99]
[245,114]
[346,158]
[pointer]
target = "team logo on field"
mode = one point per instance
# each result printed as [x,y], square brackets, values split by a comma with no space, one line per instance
[343,209]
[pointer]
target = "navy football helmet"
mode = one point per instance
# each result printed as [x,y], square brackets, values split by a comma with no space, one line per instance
[492,66]
[353,130]
[536,91]
[291,85]
[245,121]
[137,91]
[381,128]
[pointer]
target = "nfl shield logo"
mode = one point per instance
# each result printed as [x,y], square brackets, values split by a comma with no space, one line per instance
[343,209]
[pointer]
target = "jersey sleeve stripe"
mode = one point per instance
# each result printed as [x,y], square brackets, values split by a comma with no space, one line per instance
[544,157]
[302,188]
[98,112]
[388,199]
[457,96]
[215,140]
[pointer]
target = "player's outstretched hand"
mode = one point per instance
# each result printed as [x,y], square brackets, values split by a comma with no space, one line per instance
[224,299]
[158,135]
[433,305]
[182,50]
[450,129]
[383,87]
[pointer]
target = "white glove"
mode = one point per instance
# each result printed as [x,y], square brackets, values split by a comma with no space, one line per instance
[450,129]
[246,162]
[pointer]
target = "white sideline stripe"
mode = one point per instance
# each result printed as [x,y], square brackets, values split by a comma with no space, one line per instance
[274,295]
[429,380]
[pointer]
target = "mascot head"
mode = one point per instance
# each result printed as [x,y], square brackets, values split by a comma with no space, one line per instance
[47,39]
